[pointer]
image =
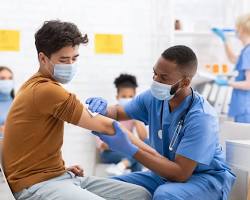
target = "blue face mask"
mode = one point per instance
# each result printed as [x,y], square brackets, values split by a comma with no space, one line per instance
[161,91]
[6,86]
[64,73]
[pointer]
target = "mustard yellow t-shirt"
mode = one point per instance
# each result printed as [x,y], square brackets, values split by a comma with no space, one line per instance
[34,131]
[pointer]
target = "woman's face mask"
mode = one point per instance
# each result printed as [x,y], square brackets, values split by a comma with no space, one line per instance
[6,86]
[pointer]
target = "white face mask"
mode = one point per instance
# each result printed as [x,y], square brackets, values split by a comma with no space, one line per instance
[6,86]
[123,101]
[64,73]
[161,91]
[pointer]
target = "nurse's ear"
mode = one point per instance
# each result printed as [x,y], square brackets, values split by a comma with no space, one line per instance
[185,82]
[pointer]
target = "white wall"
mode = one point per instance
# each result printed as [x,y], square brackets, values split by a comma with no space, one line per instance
[197,19]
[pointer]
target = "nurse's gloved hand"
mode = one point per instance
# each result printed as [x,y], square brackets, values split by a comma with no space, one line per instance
[221,81]
[97,105]
[119,141]
[220,33]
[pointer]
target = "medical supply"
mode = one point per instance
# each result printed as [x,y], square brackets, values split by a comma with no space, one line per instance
[179,124]
[123,101]
[64,73]
[6,86]
[93,114]
[161,91]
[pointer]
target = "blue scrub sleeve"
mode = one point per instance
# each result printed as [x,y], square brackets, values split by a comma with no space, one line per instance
[246,59]
[137,108]
[199,140]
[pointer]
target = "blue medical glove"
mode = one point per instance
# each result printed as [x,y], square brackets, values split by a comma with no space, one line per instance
[97,105]
[221,81]
[219,33]
[118,142]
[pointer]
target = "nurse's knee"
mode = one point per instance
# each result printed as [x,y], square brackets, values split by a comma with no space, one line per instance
[162,194]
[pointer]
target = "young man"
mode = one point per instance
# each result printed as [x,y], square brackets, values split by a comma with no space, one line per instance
[183,129]
[34,127]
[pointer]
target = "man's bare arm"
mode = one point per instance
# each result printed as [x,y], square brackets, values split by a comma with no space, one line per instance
[104,125]
[98,123]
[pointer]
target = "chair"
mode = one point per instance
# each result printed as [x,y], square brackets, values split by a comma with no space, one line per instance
[236,131]
[5,191]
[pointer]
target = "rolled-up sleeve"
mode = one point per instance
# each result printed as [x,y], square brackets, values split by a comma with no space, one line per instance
[137,108]
[52,99]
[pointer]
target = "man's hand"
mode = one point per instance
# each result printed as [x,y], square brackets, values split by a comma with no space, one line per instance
[97,105]
[119,141]
[77,170]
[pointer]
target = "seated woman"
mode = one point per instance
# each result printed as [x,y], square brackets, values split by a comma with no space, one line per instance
[126,89]
[6,95]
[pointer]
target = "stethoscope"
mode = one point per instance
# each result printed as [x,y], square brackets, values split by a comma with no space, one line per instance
[179,124]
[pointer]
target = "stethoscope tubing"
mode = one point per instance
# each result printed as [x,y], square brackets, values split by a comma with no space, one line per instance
[179,125]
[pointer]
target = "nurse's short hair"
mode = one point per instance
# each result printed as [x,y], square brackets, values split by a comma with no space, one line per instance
[243,22]
[55,34]
[184,57]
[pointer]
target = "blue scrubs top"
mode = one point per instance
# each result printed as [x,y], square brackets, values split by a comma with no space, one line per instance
[5,103]
[240,101]
[198,138]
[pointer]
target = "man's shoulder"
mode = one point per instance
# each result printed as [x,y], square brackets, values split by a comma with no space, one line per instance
[202,107]
[40,81]
[40,87]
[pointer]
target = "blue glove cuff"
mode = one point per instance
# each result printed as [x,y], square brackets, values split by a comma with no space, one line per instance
[132,150]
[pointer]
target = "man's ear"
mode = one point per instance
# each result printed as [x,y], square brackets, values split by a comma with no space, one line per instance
[42,58]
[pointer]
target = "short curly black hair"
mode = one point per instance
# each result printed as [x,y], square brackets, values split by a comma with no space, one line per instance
[184,57]
[125,81]
[55,34]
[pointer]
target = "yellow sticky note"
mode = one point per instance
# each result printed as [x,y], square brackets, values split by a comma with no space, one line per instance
[108,44]
[9,40]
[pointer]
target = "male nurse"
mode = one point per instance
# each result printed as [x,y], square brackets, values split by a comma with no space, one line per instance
[183,130]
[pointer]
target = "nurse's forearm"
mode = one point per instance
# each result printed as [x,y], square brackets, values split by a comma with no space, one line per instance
[117,112]
[230,54]
[165,168]
[241,85]
[139,143]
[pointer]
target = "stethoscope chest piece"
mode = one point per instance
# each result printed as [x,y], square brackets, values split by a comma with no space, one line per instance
[160,134]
